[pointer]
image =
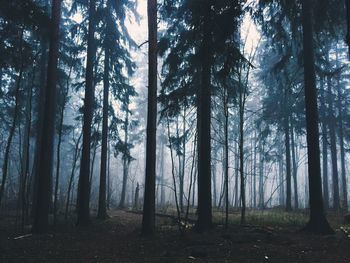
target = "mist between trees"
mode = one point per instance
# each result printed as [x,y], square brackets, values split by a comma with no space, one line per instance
[224,107]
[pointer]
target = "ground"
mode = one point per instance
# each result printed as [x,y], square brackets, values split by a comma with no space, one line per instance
[118,240]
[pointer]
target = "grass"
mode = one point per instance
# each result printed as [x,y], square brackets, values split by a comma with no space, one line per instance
[268,217]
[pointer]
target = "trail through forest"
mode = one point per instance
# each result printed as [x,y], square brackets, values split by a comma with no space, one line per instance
[118,240]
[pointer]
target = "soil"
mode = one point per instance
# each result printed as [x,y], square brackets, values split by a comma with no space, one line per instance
[118,240]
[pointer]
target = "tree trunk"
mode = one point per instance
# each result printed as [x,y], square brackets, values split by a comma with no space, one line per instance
[288,166]
[41,221]
[295,170]
[214,185]
[261,175]
[183,166]
[236,175]
[25,154]
[347,3]
[148,219]
[83,198]
[254,170]
[324,145]
[58,163]
[204,221]
[226,114]
[102,212]
[318,222]
[58,149]
[12,127]
[342,151]
[71,178]
[40,113]
[241,155]
[333,147]
[181,170]
[162,186]
[126,162]
[108,177]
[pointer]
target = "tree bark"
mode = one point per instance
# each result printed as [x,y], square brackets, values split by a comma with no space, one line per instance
[126,162]
[40,113]
[148,219]
[162,186]
[347,3]
[226,156]
[83,198]
[318,222]
[342,150]
[22,197]
[58,149]
[261,175]
[102,209]
[41,217]
[241,155]
[333,147]
[324,145]
[295,169]
[204,221]
[71,178]
[288,166]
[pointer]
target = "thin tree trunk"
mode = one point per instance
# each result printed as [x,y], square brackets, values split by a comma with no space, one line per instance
[58,149]
[58,163]
[162,186]
[183,166]
[108,178]
[324,145]
[341,138]
[12,127]
[102,212]
[342,151]
[241,156]
[94,153]
[181,175]
[71,178]
[83,198]
[22,197]
[226,156]
[333,147]
[254,170]
[214,185]
[261,176]
[295,170]
[288,166]
[174,180]
[236,175]
[195,174]
[126,162]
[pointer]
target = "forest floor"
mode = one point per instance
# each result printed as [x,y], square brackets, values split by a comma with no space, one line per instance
[118,240]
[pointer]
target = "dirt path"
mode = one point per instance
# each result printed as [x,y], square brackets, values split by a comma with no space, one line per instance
[118,240]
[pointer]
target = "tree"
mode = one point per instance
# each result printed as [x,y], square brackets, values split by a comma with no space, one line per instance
[148,218]
[124,146]
[19,19]
[102,212]
[83,199]
[41,221]
[347,3]
[191,79]
[318,222]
